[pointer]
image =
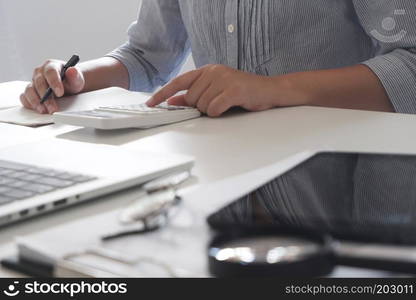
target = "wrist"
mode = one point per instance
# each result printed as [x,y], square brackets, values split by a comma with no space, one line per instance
[103,73]
[289,91]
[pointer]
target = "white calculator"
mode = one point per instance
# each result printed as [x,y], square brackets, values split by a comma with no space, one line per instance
[127,116]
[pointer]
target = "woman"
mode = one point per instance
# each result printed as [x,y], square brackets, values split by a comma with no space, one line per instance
[257,54]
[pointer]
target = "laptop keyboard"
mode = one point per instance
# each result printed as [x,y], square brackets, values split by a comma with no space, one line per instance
[21,181]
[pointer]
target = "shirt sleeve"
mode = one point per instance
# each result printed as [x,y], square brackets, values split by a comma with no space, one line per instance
[392,27]
[157,45]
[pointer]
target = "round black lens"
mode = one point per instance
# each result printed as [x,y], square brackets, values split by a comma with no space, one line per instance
[269,254]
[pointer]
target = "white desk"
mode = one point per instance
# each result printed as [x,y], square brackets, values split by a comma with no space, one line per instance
[228,146]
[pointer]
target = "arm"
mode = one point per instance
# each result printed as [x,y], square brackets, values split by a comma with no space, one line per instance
[386,82]
[392,27]
[154,53]
[355,87]
[157,47]
[214,89]
[104,72]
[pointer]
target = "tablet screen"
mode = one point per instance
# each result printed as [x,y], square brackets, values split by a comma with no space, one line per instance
[369,197]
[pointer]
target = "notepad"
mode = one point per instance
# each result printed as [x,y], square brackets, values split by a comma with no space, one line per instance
[105,97]
[25,117]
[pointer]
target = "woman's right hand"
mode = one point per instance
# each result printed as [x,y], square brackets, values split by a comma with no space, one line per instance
[48,75]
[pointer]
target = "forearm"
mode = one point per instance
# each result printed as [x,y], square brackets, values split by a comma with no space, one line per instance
[355,87]
[103,73]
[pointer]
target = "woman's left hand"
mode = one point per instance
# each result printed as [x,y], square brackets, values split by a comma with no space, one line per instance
[214,89]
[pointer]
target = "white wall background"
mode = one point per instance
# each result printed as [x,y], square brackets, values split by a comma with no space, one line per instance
[32,31]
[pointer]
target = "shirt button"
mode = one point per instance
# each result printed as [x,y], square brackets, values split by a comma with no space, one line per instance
[231,28]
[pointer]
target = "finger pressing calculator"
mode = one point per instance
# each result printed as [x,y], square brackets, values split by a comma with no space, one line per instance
[127,116]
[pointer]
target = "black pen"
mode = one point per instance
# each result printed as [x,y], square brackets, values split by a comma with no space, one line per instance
[71,63]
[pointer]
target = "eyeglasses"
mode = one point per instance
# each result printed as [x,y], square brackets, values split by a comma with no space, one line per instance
[153,208]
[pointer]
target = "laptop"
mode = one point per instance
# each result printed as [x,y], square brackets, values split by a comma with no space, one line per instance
[52,174]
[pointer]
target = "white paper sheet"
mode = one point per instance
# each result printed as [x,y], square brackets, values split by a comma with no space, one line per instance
[210,198]
[25,117]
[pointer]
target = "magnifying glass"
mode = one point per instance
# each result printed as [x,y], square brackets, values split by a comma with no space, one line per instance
[270,253]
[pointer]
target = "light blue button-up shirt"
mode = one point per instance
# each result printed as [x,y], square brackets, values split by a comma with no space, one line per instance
[272,37]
